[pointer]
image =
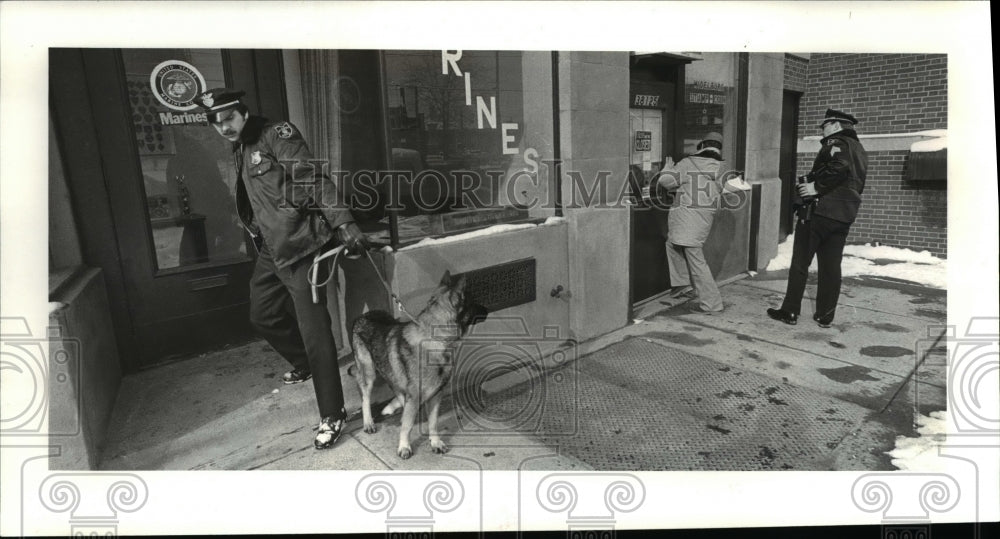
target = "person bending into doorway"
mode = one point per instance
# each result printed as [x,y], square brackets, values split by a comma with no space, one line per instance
[695,180]
[276,200]
[831,196]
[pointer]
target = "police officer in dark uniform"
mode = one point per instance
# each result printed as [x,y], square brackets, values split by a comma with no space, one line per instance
[830,197]
[291,211]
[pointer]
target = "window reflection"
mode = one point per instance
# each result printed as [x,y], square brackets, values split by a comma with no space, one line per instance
[710,101]
[187,169]
[464,137]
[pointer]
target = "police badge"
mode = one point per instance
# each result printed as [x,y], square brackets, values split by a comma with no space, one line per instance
[255,158]
[284,130]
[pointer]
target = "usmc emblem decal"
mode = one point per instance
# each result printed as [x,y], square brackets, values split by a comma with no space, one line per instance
[176,84]
[284,130]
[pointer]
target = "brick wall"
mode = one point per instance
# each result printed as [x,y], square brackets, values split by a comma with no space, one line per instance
[888,93]
[795,73]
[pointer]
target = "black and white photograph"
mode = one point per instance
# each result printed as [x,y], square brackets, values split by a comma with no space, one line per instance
[511,287]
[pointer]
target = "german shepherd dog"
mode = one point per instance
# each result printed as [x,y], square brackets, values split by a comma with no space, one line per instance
[401,352]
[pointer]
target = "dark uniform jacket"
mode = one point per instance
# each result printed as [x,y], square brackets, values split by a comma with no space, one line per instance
[839,174]
[294,209]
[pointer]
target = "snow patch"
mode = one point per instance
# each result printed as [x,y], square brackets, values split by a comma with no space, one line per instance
[928,133]
[738,184]
[921,453]
[919,267]
[932,145]
[496,229]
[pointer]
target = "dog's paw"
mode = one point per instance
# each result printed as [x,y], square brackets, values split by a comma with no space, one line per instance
[390,409]
[370,428]
[404,452]
[439,447]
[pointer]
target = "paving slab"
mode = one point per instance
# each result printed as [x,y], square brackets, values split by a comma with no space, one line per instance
[674,391]
[168,401]
[869,356]
[645,406]
[220,411]
[500,451]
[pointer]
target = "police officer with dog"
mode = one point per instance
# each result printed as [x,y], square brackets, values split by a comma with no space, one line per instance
[289,207]
[830,197]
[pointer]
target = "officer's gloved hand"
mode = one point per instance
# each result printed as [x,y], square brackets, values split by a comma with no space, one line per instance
[353,239]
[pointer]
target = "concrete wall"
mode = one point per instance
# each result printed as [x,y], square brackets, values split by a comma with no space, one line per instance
[416,271]
[593,109]
[84,372]
[766,87]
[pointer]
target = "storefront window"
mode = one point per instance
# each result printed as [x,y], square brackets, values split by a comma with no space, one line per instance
[472,127]
[187,168]
[468,132]
[710,95]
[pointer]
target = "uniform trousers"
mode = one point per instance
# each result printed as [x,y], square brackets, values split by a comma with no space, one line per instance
[824,238]
[283,312]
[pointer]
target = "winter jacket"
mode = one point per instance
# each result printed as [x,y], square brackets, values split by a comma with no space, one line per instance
[280,198]
[838,174]
[696,181]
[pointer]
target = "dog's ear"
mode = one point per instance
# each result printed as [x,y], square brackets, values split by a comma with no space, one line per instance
[446,278]
[458,284]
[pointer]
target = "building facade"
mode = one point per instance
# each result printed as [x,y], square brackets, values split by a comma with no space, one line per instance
[522,170]
[900,100]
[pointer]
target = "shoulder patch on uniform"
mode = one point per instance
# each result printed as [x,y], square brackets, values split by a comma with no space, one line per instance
[284,130]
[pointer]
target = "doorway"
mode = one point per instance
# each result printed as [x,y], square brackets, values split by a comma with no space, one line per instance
[153,186]
[788,159]
[653,136]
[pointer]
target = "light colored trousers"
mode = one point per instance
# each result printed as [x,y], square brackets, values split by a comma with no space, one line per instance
[689,267]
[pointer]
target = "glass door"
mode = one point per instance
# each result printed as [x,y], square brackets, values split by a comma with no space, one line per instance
[170,183]
[188,178]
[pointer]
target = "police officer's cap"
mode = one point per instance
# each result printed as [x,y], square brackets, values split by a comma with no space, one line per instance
[837,116]
[219,100]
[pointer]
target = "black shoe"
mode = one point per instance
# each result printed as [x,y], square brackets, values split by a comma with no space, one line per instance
[296,376]
[783,316]
[329,432]
[823,322]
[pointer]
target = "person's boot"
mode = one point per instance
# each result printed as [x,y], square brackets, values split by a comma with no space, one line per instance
[824,322]
[783,316]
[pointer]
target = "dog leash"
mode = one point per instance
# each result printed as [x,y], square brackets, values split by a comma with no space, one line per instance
[313,276]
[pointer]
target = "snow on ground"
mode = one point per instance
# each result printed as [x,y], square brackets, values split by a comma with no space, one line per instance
[919,267]
[922,453]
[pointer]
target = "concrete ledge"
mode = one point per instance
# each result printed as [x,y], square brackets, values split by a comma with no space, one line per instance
[879,142]
[85,371]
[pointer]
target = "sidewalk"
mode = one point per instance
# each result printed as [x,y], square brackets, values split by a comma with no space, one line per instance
[734,391]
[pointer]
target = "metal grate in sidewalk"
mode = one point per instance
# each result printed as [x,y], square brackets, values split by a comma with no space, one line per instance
[638,405]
